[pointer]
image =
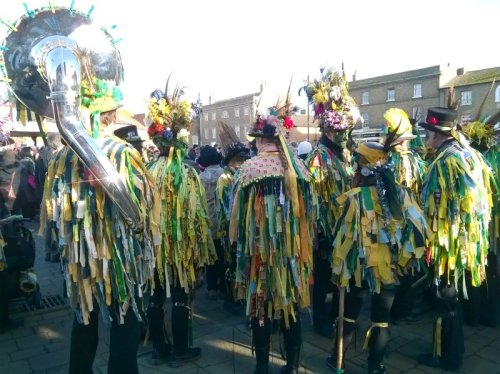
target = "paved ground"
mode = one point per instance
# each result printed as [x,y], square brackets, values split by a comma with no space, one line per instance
[42,345]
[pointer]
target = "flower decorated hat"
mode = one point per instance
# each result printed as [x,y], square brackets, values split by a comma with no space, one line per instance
[170,118]
[334,109]
[440,120]
[277,120]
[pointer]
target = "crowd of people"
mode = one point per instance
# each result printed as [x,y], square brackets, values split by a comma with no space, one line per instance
[271,227]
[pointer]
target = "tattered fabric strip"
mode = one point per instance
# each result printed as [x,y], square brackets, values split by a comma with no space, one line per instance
[105,261]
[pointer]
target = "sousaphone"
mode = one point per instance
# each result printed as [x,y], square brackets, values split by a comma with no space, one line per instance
[47,54]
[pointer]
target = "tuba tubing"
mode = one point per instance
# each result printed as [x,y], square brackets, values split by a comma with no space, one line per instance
[63,72]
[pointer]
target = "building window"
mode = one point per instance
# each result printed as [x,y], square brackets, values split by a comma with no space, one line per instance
[213,116]
[417,90]
[245,111]
[391,94]
[466,97]
[237,129]
[236,112]
[416,112]
[366,119]
[225,114]
[194,139]
[365,98]
[466,118]
[206,117]
[497,95]
[205,133]
[214,133]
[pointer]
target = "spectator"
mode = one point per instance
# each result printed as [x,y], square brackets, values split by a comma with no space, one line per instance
[303,149]
[210,159]
[26,201]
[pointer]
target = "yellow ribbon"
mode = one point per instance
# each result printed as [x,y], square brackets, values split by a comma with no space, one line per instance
[369,332]
[290,179]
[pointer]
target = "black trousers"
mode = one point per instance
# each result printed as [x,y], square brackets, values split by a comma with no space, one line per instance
[408,300]
[156,317]
[261,333]
[482,304]
[449,308]
[379,313]
[123,345]
[180,318]
[181,315]
[215,272]
[322,272]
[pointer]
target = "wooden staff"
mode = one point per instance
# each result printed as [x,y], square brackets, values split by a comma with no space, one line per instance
[340,330]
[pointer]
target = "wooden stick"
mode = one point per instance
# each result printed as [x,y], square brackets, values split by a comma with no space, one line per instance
[340,330]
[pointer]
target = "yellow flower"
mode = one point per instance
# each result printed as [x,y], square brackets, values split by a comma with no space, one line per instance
[320,96]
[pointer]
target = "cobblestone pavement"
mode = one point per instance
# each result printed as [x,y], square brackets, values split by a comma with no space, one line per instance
[42,344]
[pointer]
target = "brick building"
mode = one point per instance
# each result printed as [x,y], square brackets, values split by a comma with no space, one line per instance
[471,89]
[415,91]
[238,112]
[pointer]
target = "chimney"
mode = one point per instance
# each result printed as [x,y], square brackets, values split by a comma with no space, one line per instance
[261,86]
[210,100]
[354,76]
[460,71]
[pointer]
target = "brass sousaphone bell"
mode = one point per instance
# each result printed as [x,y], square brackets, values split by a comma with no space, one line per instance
[47,55]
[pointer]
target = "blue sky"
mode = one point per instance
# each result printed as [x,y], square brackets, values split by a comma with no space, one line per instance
[225,48]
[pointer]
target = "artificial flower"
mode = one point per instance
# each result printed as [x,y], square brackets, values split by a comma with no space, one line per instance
[183,136]
[335,93]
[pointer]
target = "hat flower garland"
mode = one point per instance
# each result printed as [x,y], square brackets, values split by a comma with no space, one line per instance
[170,118]
[333,107]
[279,118]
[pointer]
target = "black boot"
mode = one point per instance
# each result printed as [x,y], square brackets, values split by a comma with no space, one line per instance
[161,349]
[180,330]
[262,356]
[261,335]
[292,361]
[293,341]
[377,345]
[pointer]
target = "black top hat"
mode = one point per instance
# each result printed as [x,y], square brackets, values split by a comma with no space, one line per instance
[441,120]
[128,133]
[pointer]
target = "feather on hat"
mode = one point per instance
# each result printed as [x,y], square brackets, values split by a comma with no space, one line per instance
[230,143]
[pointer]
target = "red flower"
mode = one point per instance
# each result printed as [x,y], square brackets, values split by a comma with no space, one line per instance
[151,129]
[431,120]
[288,123]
